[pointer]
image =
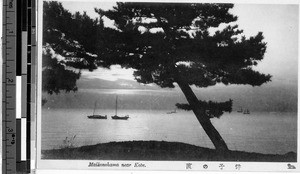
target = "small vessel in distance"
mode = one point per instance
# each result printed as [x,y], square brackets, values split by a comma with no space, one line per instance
[172,112]
[241,110]
[116,117]
[120,118]
[246,111]
[96,116]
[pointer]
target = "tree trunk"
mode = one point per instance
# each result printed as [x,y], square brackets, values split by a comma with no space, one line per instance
[202,117]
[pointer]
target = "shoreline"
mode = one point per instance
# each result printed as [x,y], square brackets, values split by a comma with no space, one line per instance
[161,151]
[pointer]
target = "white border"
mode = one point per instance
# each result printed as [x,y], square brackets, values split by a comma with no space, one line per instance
[81,166]
[39,39]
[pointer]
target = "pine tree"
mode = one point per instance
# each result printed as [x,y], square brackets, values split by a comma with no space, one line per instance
[182,43]
[70,44]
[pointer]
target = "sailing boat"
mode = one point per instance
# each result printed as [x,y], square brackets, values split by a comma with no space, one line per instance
[246,111]
[172,112]
[116,117]
[241,110]
[97,116]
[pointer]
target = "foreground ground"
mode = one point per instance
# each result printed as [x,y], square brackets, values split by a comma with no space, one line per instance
[159,150]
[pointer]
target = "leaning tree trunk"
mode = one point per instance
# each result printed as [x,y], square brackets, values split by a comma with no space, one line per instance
[203,119]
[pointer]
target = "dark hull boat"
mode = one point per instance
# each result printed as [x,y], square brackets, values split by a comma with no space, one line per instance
[120,118]
[97,117]
[116,117]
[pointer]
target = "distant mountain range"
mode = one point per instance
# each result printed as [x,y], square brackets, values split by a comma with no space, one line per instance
[274,96]
[95,83]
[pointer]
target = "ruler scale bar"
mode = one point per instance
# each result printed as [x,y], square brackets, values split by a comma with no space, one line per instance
[9,92]
[19,48]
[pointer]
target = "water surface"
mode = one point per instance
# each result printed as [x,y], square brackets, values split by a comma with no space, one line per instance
[274,133]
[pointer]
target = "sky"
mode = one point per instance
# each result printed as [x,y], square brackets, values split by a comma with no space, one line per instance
[279,24]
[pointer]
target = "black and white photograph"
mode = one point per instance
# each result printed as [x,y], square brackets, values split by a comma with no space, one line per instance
[169,81]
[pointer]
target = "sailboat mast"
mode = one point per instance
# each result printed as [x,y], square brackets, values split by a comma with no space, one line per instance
[95,107]
[116,105]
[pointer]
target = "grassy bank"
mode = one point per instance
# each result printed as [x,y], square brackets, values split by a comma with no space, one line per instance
[159,150]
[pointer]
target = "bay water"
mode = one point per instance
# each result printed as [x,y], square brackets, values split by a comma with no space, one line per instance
[262,132]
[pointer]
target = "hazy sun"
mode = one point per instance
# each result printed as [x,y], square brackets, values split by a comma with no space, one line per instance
[113,74]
